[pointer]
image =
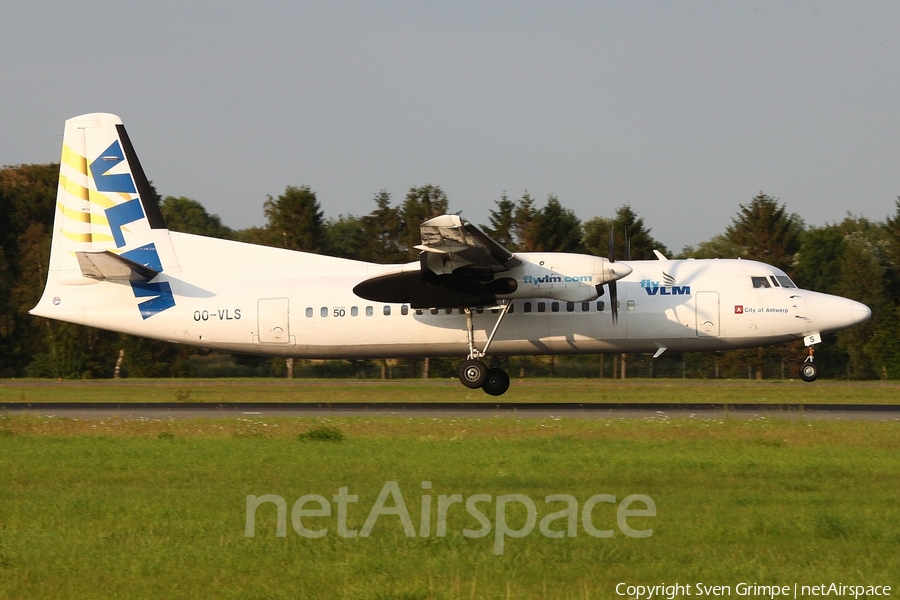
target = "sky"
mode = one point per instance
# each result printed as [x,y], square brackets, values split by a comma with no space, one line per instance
[684,110]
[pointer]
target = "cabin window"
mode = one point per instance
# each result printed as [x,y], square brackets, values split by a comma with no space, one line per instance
[420,312]
[585,306]
[570,307]
[354,311]
[449,311]
[511,307]
[760,282]
[309,312]
[370,311]
[630,304]
[404,310]
[554,306]
[479,310]
[434,311]
[600,305]
[526,307]
[387,310]
[542,307]
[785,281]
[323,312]
[495,310]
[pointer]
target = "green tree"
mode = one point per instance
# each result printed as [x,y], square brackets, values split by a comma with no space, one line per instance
[718,246]
[892,227]
[525,227]
[27,195]
[764,231]
[883,347]
[892,241]
[861,279]
[502,228]
[346,237]
[818,261]
[189,216]
[295,220]
[421,203]
[628,228]
[8,339]
[382,229]
[557,229]
[261,236]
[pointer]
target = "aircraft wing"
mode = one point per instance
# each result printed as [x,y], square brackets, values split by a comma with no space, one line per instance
[456,268]
[451,243]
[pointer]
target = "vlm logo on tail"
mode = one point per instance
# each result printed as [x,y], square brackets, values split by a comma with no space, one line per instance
[157,296]
[667,289]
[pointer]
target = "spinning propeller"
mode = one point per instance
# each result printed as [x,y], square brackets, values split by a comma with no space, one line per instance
[613,289]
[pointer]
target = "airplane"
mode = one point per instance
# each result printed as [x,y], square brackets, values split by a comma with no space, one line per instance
[115,265]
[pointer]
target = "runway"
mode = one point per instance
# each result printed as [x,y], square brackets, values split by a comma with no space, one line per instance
[543,410]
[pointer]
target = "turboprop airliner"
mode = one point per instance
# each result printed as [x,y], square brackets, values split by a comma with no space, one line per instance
[115,265]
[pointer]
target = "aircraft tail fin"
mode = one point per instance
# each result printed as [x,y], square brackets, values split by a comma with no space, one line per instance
[108,224]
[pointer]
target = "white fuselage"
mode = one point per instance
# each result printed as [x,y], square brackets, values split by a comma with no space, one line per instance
[257,300]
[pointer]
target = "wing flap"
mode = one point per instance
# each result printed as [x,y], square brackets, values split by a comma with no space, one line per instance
[452,243]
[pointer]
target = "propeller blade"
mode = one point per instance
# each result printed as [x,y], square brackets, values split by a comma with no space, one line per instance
[614,301]
[613,290]
[612,245]
[627,246]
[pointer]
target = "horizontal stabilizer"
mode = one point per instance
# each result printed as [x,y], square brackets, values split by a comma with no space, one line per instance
[113,267]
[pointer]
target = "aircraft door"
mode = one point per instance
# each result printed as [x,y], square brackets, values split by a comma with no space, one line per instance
[274,321]
[707,306]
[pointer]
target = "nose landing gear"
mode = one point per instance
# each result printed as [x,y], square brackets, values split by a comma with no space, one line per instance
[809,370]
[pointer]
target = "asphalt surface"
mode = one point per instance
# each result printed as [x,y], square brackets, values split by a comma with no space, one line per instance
[598,410]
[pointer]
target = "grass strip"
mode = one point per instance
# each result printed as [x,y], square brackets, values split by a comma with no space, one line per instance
[157,508]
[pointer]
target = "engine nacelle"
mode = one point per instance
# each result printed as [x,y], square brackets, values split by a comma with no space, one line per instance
[566,277]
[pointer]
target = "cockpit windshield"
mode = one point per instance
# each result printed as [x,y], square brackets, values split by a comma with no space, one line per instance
[773,281]
[785,281]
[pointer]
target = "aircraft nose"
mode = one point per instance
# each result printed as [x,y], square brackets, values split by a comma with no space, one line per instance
[859,312]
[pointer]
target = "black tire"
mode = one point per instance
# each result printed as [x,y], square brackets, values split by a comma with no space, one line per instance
[472,373]
[496,383]
[809,371]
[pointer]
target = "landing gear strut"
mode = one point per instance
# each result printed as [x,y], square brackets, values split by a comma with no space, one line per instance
[472,372]
[809,370]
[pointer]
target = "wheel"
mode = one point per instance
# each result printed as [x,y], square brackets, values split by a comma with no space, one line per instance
[809,371]
[496,383]
[472,373]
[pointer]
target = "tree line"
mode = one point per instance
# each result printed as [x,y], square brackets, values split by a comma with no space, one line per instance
[857,258]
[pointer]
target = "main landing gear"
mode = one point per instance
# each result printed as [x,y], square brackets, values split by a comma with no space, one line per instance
[473,373]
